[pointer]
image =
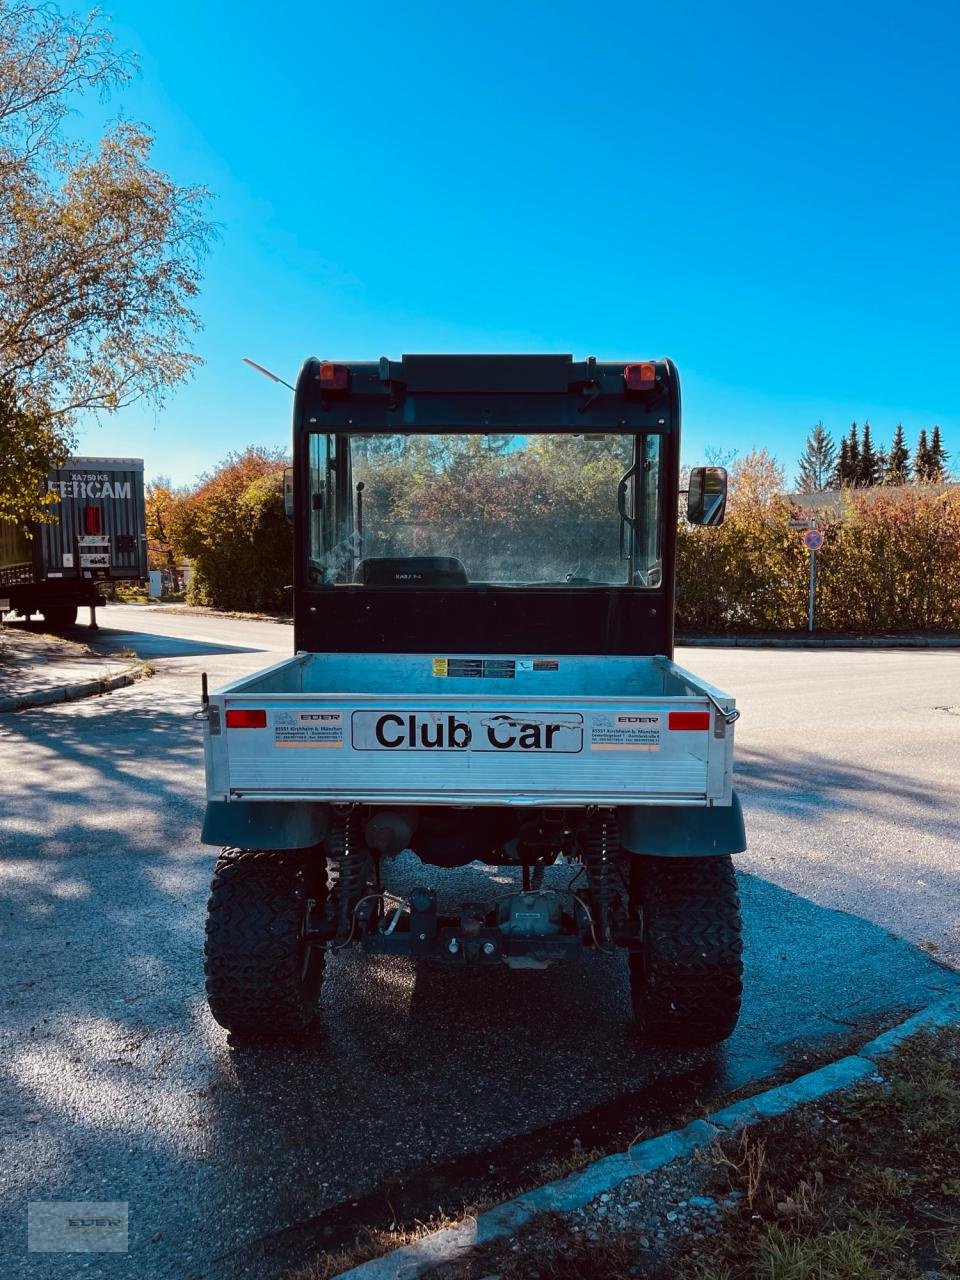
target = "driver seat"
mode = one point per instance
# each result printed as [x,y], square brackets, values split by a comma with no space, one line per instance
[411,571]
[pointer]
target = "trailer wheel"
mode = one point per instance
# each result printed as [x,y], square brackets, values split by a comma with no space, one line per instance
[60,617]
[686,974]
[263,978]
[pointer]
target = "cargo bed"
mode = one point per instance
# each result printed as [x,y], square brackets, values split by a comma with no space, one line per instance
[471,730]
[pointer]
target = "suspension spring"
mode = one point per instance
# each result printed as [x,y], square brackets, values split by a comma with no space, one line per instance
[347,865]
[599,846]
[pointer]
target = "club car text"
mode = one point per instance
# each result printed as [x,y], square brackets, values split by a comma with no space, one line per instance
[466,731]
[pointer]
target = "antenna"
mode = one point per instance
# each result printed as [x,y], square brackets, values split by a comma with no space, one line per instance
[266,372]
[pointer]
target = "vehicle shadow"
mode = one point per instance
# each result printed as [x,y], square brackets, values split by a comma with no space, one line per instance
[147,644]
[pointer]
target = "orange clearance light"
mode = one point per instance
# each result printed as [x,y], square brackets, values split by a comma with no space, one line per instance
[688,720]
[246,719]
[640,377]
[334,377]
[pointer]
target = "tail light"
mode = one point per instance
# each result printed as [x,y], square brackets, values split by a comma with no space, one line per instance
[246,719]
[688,720]
[640,377]
[92,520]
[334,377]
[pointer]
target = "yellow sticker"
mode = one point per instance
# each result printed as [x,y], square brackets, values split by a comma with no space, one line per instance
[440,666]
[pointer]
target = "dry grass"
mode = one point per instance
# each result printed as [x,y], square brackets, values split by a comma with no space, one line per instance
[371,1243]
[862,1187]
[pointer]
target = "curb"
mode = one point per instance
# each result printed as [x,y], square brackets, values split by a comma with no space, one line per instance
[72,692]
[578,1189]
[819,642]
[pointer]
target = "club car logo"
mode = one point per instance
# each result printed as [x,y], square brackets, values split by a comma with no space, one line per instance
[467,731]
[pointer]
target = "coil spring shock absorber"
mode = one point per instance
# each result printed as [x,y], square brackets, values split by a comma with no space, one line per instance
[347,863]
[599,846]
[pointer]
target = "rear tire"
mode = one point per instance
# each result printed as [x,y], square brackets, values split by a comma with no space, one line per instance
[263,977]
[60,617]
[686,974]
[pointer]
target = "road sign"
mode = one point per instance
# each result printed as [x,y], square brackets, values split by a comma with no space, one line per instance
[801,524]
[813,539]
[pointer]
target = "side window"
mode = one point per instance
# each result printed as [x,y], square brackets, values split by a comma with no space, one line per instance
[649,511]
[322,499]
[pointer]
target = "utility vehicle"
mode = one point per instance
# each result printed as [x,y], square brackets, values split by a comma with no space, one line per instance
[484,582]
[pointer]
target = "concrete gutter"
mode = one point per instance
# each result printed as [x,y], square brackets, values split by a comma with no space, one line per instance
[73,692]
[578,1189]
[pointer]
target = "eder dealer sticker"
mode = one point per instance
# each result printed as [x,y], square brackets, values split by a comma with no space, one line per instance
[626,731]
[308,729]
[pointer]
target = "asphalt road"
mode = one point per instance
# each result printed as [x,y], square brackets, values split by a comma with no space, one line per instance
[115,1083]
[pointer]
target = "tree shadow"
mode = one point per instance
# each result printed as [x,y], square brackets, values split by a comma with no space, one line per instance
[147,644]
[804,784]
[117,1085]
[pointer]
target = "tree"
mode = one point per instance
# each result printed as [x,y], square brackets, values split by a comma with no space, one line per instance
[163,553]
[100,251]
[853,456]
[233,529]
[868,471]
[29,445]
[938,456]
[897,470]
[841,475]
[922,461]
[817,466]
[756,478]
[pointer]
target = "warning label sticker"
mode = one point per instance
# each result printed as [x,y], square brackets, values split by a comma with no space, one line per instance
[308,729]
[626,731]
[475,668]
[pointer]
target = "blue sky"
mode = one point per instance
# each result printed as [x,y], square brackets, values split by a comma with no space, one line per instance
[768,194]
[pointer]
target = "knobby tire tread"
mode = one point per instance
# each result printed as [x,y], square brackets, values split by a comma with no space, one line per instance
[254,958]
[687,975]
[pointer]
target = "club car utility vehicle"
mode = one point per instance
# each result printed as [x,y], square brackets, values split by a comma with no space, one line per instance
[483,594]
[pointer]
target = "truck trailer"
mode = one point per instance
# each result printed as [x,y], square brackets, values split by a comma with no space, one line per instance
[98,534]
[484,581]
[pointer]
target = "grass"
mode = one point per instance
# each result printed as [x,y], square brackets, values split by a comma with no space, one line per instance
[864,1185]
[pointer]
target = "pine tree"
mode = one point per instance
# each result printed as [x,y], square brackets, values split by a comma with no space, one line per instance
[921,458]
[868,472]
[938,456]
[897,470]
[851,472]
[841,475]
[817,465]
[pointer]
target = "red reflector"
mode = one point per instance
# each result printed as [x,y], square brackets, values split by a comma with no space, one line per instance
[334,377]
[688,720]
[92,520]
[640,377]
[246,719]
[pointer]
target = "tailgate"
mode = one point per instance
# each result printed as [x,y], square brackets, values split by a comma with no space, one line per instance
[471,750]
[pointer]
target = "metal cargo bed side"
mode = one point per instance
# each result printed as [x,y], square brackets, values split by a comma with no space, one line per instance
[558,732]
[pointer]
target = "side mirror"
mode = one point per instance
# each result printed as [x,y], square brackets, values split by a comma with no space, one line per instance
[288,493]
[707,495]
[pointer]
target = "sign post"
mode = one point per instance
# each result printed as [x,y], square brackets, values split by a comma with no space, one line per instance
[813,541]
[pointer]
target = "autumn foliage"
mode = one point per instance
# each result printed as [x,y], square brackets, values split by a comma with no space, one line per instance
[233,530]
[890,559]
[890,562]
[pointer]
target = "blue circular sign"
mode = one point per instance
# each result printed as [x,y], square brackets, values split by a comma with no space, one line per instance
[813,539]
